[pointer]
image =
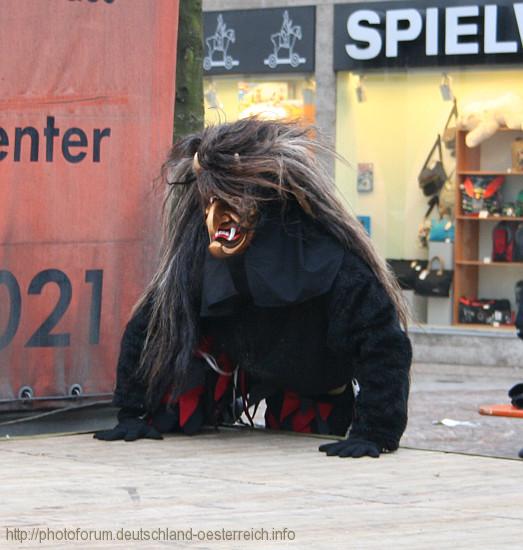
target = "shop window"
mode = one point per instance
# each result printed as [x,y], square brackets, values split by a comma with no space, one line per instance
[232,98]
[386,124]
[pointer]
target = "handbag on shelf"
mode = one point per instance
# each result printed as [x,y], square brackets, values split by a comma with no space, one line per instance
[484,312]
[433,176]
[433,282]
[482,193]
[441,231]
[406,271]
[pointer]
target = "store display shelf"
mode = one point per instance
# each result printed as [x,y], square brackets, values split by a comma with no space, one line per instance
[472,256]
[490,218]
[489,264]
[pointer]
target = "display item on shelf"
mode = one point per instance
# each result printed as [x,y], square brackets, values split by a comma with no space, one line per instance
[518,244]
[482,193]
[509,209]
[517,155]
[406,271]
[485,311]
[447,198]
[503,236]
[442,231]
[449,131]
[519,205]
[484,118]
[434,282]
[432,176]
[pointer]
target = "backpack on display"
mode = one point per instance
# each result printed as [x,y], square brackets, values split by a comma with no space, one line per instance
[518,244]
[502,243]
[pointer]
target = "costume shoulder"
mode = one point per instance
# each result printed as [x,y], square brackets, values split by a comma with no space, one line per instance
[130,390]
[356,289]
[364,327]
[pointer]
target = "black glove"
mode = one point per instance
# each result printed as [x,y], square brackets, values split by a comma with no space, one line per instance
[353,447]
[129,428]
[516,395]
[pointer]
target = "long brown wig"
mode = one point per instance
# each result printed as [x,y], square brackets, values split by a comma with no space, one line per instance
[243,163]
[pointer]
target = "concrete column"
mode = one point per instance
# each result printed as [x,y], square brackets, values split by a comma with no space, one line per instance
[325,79]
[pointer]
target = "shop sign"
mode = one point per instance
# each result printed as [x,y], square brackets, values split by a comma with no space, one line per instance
[259,41]
[370,35]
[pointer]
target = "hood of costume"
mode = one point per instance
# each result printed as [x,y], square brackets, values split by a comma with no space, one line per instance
[290,259]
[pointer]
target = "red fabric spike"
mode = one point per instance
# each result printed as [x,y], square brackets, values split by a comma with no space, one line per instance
[221,386]
[270,421]
[188,403]
[166,399]
[325,409]
[493,187]
[301,421]
[225,362]
[204,345]
[469,187]
[291,403]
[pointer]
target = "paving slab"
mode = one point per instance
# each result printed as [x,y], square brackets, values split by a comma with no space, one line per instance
[244,483]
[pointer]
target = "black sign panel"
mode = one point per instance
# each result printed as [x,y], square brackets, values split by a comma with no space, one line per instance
[371,35]
[259,41]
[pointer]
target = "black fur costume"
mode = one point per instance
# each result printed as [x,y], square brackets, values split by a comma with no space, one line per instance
[322,322]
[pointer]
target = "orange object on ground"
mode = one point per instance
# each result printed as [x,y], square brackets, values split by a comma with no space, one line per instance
[501,410]
[86,120]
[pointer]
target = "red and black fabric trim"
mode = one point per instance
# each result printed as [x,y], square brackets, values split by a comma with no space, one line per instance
[325,415]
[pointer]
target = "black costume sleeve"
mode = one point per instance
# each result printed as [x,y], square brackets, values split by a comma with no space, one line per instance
[364,327]
[129,393]
[519,321]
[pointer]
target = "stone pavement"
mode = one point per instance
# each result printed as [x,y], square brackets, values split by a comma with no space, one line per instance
[456,392]
[278,486]
[244,484]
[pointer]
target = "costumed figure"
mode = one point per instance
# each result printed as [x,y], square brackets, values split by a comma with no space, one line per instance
[267,289]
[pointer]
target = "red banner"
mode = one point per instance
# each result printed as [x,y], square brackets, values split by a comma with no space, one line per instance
[86,118]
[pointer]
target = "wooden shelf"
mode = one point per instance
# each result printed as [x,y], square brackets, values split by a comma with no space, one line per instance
[484,326]
[487,173]
[489,264]
[489,218]
[505,129]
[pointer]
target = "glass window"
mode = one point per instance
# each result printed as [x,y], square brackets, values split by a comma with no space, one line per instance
[387,122]
[231,98]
